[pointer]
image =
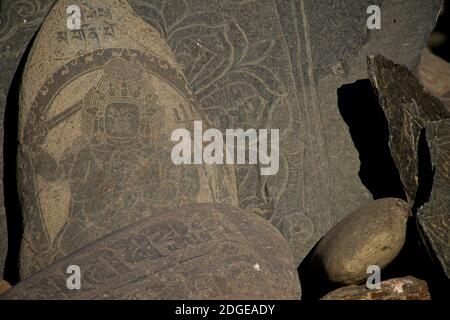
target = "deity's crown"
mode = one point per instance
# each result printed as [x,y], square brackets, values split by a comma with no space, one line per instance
[122,82]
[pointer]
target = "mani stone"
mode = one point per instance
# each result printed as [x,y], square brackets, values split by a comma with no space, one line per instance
[19,20]
[407,288]
[278,64]
[195,252]
[98,107]
[372,235]
[419,129]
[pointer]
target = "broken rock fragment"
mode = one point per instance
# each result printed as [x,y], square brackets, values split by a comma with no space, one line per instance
[407,288]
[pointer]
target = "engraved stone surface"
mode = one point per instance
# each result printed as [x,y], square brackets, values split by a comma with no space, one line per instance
[372,235]
[407,288]
[278,64]
[195,252]
[19,20]
[98,107]
[4,286]
[412,114]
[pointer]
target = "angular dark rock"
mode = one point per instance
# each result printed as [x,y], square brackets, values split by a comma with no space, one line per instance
[418,124]
[408,108]
[97,110]
[278,64]
[195,252]
[407,288]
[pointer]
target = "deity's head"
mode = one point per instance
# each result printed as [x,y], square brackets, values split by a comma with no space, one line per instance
[121,108]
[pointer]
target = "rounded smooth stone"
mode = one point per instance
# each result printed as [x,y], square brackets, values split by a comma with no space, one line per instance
[372,235]
[97,110]
[195,252]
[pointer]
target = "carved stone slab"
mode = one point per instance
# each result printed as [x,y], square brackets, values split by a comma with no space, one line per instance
[413,114]
[98,107]
[198,252]
[407,288]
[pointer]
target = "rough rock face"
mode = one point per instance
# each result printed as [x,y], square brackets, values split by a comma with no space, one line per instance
[372,235]
[418,131]
[278,64]
[19,20]
[407,288]
[97,111]
[197,252]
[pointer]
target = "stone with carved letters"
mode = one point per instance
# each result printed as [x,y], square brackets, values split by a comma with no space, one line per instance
[372,235]
[98,106]
[195,252]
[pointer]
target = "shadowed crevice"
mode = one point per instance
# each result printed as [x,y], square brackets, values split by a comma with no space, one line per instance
[359,107]
[10,144]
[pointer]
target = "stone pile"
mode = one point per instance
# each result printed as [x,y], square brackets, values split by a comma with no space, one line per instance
[97,186]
